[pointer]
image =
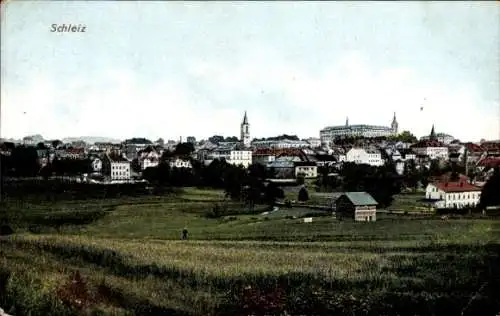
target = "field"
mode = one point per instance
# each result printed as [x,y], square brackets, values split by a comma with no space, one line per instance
[131,261]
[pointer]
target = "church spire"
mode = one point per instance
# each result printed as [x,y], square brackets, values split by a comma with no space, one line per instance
[394,124]
[245,119]
[245,131]
[433,133]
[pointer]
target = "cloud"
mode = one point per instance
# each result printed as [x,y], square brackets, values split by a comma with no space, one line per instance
[351,87]
[279,95]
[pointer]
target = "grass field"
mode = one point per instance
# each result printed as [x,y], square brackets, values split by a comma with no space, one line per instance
[132,262]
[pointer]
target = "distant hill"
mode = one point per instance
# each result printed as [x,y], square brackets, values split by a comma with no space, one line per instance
[91,139]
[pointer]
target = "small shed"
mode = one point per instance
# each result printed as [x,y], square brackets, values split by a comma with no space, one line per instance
[358,205]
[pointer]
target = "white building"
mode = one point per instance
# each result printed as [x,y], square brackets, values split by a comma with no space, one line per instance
[96,165]
[328,134]
[241,157]
[365,156]
[148,162]
[116,167]
[453,194]
[432,149]
[314,142]
[231,155]
[180,163]
[308,170]
[281,144]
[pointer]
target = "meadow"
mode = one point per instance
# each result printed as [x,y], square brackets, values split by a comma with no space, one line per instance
[129,260]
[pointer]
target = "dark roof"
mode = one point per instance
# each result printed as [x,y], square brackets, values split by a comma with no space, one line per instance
[360,198]
[305,163]
[427,143]
[322,157]
[117,158]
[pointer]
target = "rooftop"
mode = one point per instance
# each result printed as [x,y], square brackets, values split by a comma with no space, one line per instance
[457,186]
[360,198]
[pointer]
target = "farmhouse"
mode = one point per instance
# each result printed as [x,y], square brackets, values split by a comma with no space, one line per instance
[453,194]
[358,205]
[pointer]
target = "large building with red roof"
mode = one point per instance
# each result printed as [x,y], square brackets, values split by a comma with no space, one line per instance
[453,194]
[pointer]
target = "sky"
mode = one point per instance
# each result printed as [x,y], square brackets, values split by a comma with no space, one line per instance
[178,69]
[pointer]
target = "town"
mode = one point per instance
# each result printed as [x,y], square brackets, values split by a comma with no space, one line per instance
[450,174]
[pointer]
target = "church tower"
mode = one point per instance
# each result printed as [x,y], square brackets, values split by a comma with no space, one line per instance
[394,125]
[432,136]
[245,131]
[347,121]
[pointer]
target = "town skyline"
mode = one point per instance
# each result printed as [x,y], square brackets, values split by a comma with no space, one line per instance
[432,64]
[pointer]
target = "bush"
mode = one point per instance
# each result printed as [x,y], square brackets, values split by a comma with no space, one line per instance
[303,195]
[6,230]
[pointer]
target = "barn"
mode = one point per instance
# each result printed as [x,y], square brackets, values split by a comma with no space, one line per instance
[360,206]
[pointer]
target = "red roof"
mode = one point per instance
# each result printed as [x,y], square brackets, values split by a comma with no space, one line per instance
[471,147]
[491,146]
[276,152]
[459,186]
[490,162]
[76,151]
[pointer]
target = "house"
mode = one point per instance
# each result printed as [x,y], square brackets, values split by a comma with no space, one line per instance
[29,141]
[407,154]
[43,157]
[263,156]
[148,158]
[440,137]
[431,148]
[70,153]
[314,142]
[370,157]
[180,163]
[116,167]
[234,154]
[283,167]
[306,168]
[360,206]
[453,194]
[96,165]
[323,160]
[491,148]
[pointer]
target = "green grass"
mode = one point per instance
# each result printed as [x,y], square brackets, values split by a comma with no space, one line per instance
[409,202]
[134,263]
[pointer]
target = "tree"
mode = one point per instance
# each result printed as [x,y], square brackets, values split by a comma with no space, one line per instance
[137,140]
[303,195]
[136,167]
[300,179]
[405,137]
[216,139]
[435,169]
[46,171]
[231,139]
[489,193]
[56,143]
[25,161]
[41,146]
[184,149]
[381,182]
[273,192]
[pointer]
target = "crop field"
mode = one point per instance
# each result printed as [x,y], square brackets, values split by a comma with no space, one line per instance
[129,260]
